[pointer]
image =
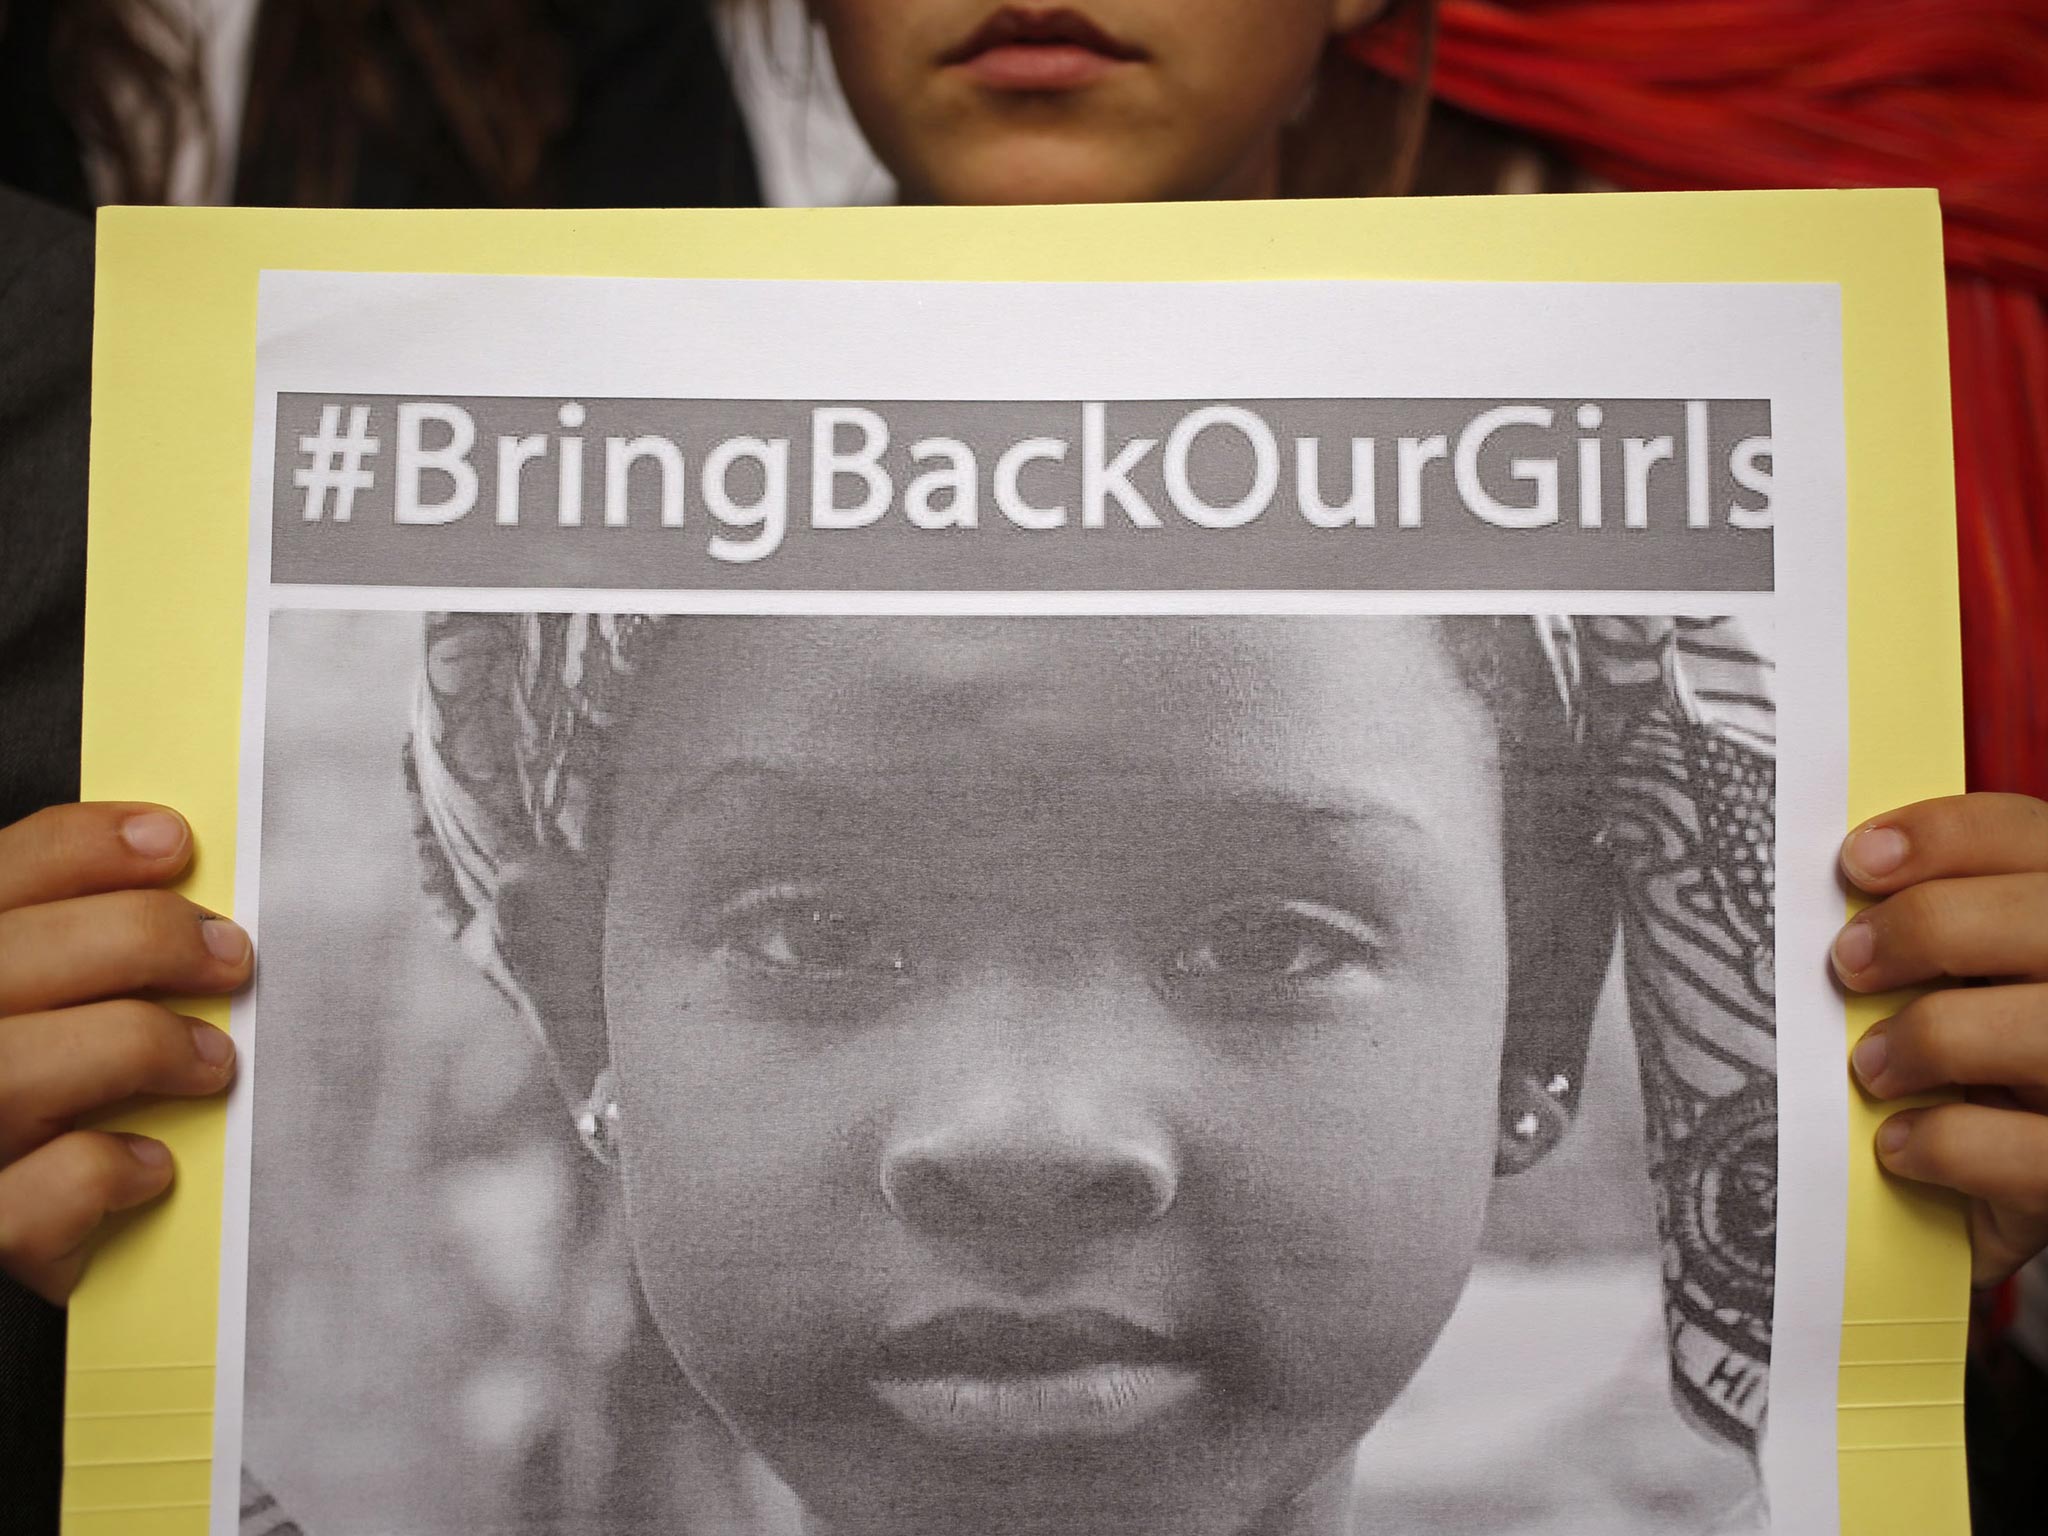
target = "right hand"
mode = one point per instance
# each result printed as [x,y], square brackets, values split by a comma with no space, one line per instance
[85,938]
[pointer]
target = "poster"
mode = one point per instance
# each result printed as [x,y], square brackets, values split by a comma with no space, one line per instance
[927,906]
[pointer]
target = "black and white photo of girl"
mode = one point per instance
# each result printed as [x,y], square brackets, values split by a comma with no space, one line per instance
[1220,1076]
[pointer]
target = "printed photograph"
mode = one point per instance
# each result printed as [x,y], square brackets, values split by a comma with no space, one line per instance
[1002,1076]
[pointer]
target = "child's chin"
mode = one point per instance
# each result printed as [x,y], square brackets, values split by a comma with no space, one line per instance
[1028,173]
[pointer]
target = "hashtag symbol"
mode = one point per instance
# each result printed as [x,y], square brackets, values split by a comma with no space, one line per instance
[334,462]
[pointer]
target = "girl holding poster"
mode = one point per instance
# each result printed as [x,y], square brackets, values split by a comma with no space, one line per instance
[1184,1394]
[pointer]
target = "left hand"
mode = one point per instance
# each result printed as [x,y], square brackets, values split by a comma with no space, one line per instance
[1963,883]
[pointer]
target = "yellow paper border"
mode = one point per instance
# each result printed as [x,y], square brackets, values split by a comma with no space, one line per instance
[174,387]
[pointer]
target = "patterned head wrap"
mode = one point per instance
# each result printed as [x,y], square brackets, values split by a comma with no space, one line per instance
[1671,719]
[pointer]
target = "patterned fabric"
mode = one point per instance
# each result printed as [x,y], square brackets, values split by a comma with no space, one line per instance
[1681,713]
[507,740]
[260,1513]
[1675,717]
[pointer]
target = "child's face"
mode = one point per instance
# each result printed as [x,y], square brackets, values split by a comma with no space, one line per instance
[1059,1058]
[969,101]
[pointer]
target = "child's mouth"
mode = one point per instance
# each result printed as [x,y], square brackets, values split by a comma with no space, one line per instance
[1024,50]
[980,1378]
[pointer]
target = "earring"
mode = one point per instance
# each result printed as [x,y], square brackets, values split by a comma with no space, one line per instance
[597,1123]
[1534,1115]
[1529,1124]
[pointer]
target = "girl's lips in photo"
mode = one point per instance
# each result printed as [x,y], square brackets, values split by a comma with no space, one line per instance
[1025,50]
[974,1412]
[982,1379]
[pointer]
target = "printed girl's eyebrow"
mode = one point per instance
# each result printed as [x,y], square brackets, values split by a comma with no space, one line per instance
[684,791]
[1313,813]
[741,769]
[741,776]
[1303,812]
[802,801]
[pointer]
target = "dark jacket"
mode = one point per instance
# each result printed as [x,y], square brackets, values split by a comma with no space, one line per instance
[45,373]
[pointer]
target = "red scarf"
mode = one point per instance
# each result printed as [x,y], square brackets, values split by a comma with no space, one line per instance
[1678,95]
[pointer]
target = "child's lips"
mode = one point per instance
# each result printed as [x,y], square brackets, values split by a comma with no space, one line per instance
[1026,50]
[1039,67]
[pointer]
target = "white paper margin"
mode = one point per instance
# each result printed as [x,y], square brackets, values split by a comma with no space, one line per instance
[414,335]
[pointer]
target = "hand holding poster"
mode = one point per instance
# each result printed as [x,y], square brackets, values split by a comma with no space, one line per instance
[1066,913]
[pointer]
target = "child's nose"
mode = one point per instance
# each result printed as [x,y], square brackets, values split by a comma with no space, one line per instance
[1016,1172]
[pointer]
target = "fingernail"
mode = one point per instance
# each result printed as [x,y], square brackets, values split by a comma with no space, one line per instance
[151,1154]
[211,1045]
[1893,1134]
[228,943]
[1868,1058]
[1875,851]
[153,834]
[1855,947]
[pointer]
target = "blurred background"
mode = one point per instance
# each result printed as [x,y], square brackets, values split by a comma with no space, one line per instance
[443,1332]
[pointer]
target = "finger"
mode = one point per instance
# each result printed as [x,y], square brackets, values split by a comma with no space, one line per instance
[67,952]
[1980,834]
[55,1067]
[1994,925]
[1999,1155]
[1968,1037]
[80,850]
[53,1200]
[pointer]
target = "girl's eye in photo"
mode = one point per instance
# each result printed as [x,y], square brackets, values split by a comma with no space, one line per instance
[804,932]
[1274,943]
